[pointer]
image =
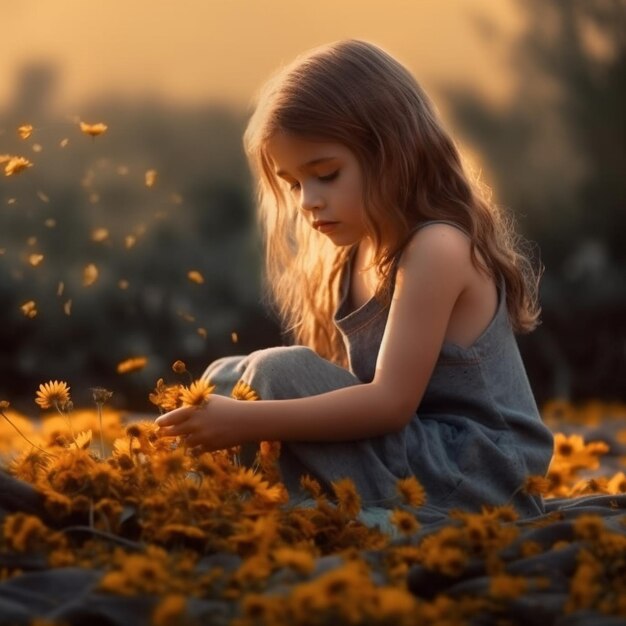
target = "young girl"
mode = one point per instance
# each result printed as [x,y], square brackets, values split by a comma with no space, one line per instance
[402,287]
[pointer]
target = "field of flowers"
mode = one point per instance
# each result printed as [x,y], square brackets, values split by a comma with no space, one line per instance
[104,522]
[103,519]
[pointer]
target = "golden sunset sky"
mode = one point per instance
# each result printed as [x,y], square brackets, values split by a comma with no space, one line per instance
[196,51]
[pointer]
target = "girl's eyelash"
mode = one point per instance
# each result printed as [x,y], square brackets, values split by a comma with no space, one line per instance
[326,179]
[330,176]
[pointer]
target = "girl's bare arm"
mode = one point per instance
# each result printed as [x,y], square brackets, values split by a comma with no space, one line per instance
[433,271]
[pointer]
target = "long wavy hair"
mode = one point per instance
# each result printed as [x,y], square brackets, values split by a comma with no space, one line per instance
[354,93]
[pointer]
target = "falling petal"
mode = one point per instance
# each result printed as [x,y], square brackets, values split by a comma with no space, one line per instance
[42,196]
[100,234]
[35,259]
[2,251]
[187,316]
[94,198]
[202,332]
[29,309]
[11,201]
[195,277]
[25,131]
[50,222]
[37,147]
[93,130]
[132,364]
[176,198]
[150,177]
[234,337]
[64,142]
[15,165]
[67,307]
[31,241]
[60,288]
[130,241]
[90,275]
[122,170]
[123,284]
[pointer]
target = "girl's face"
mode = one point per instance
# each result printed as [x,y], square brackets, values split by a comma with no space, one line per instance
[326,183]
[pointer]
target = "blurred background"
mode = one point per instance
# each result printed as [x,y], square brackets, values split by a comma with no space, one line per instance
[532,91]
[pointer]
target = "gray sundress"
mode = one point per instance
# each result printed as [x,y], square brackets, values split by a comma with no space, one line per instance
[476,434]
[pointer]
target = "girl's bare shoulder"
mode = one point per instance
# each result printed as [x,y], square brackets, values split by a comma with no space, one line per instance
[438,242]
[446,249]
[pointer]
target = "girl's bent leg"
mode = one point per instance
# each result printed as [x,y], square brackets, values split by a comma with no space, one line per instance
[374,464]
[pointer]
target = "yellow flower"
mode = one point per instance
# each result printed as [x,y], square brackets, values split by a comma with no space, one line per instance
[395,603]
[298,560]
[15,165]
[169,611]
[53,393]
[311,485]
[197,394]
[588,526]
[22,532]
[507,587]
[262,608]
[179,367]
[171,463]
[559,411]
[131,364]
[404,522]
[411,491]
[243,391]
[100,394]
[347,496]
[617,484]
[93,130]
[165,396]
[536,485]
[247,481]
[182,533]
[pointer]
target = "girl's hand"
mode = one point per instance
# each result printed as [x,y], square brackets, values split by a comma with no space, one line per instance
[211,427]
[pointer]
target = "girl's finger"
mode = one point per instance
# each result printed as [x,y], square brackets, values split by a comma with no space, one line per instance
[177,416]
[173,431]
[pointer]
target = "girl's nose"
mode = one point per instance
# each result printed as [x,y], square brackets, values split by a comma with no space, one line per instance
[310,200]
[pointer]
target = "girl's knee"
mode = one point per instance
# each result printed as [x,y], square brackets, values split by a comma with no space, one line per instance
[293,372]
[281,359]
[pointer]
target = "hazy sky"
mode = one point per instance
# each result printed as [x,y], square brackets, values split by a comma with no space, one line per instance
[199,50]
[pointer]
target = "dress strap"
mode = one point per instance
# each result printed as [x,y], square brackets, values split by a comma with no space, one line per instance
[449,222]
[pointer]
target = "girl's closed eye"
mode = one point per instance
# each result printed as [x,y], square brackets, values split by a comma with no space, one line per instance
[327,178]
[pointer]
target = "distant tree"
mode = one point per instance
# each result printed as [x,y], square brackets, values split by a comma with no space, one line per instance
[558,152]
[557,159]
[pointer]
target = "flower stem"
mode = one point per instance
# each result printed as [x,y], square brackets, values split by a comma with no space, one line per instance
[24,436]
[69,423]
[99,405]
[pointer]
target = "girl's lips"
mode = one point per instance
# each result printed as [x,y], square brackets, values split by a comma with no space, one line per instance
[324,227]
